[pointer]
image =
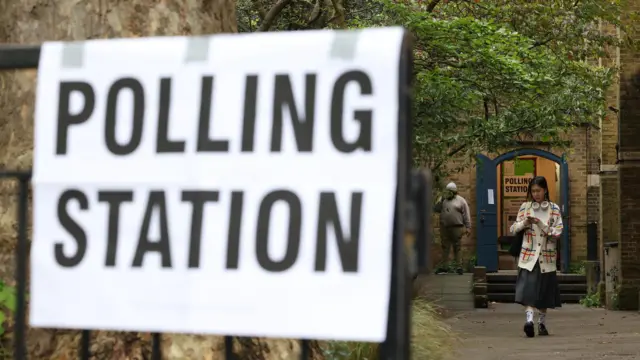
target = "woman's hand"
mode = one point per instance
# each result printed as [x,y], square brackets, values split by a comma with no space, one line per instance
[533,220]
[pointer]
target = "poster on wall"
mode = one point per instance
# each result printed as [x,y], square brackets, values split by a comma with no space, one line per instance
[516,176]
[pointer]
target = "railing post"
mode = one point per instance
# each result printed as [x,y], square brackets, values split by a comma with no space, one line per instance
[397,345]
[19,340]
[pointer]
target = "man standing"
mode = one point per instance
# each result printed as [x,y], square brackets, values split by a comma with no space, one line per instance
[455,222]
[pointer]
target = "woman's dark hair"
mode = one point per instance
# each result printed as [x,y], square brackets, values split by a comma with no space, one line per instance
[540,181]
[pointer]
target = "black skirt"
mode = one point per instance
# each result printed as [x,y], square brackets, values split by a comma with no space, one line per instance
[533,288]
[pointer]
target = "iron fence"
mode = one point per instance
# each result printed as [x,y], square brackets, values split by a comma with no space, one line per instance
[411,219]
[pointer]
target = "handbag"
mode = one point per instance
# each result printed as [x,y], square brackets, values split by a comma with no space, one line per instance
[516,244]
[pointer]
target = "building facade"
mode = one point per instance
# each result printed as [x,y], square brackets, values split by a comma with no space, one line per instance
[602,185]
[577,188]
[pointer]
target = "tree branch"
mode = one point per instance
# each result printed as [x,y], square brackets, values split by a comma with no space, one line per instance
[317,12]
[486,109]
[259,9]
[432,5]
[540,43]
[451,153]
[457,150]
[339,16]
[272,15]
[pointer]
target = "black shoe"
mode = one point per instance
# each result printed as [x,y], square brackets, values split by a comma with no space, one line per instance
[460,271]
[542,330]
[529,329]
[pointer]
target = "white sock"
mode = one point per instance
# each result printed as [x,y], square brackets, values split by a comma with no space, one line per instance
[542,317]
[529,315]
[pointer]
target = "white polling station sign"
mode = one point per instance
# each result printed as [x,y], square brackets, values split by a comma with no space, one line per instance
[230,184]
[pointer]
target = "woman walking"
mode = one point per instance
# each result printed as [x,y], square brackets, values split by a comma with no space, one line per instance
[537,284]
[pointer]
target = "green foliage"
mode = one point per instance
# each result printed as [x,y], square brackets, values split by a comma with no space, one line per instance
[351,351]
[7,306]
[489,73]
[482,85]
[7,303]
[615,301]
[264,15]
[591,300]
[450,266]
[471,263]
[577,268]
[431,339]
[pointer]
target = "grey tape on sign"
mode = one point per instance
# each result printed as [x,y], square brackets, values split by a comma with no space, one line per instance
[73,55]
[198,48]
[344,44]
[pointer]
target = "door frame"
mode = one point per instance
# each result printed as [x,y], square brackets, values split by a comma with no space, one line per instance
[483,186]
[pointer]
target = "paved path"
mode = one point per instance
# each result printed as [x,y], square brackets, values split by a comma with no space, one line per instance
[576,333]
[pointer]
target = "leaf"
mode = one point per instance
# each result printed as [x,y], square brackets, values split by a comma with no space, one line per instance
[10,303]
[8,297]
[2,319]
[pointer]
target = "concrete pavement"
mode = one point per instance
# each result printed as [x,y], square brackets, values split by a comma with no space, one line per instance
[576,333]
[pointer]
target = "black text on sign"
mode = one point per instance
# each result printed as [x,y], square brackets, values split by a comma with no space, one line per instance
[283,99]
[327,216]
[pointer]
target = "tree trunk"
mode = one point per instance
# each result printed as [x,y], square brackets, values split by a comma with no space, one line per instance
[33,21]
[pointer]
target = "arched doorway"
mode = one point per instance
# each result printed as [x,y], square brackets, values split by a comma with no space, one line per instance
[487,206]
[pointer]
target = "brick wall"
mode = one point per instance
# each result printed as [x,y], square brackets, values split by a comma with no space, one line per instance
[629,182]
[594,152]
[629,178]
[465,181]
[593,171]
[608,224]
[609,126]
[578,161]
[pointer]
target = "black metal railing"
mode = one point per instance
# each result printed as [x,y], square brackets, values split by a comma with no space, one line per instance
[411,216]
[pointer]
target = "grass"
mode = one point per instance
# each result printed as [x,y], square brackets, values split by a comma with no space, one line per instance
[432,339]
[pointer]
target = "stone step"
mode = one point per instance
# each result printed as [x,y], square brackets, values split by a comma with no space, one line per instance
[510,277]
[510,297]
[501,287]
[511,288]
[450,291]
